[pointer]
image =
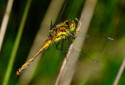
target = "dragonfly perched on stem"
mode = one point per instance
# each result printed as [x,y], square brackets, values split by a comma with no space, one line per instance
[59,32]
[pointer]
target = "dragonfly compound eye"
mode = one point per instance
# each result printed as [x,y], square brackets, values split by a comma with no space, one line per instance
[67,23]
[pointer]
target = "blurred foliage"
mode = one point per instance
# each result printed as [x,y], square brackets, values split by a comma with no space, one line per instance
[100,58]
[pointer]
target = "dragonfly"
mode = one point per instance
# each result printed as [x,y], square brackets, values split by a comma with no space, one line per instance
[57,33]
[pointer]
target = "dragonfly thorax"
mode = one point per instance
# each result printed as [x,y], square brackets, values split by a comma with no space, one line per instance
[62,30]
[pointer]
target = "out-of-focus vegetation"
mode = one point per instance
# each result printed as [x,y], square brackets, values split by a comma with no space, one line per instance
[100,57]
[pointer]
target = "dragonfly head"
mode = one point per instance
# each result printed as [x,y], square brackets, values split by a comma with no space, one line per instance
[70,24]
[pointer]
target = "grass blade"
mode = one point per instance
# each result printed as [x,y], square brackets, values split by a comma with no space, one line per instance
[5,22]
[121,69]
[16,45]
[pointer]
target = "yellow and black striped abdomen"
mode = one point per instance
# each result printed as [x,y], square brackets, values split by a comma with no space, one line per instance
[26,64]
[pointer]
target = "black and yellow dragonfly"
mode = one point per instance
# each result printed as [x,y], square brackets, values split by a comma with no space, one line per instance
[57,33]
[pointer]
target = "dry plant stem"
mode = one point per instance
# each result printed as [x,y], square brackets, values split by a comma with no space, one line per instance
[51,14]
[66,72]
[119,72]
[67,56]
[16,45]
[5,21]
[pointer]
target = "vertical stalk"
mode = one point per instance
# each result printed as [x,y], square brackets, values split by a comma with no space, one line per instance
[67,69]
[5,21]
[121,69]
[16,44]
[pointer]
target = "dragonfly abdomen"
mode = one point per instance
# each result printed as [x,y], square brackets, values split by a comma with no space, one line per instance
[26,64]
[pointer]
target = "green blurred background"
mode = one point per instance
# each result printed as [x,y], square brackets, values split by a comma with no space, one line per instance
[100,58]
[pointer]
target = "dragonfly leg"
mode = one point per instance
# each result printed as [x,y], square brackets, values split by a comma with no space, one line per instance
[69,40]
[61,46]
[71,35]
[58,45]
